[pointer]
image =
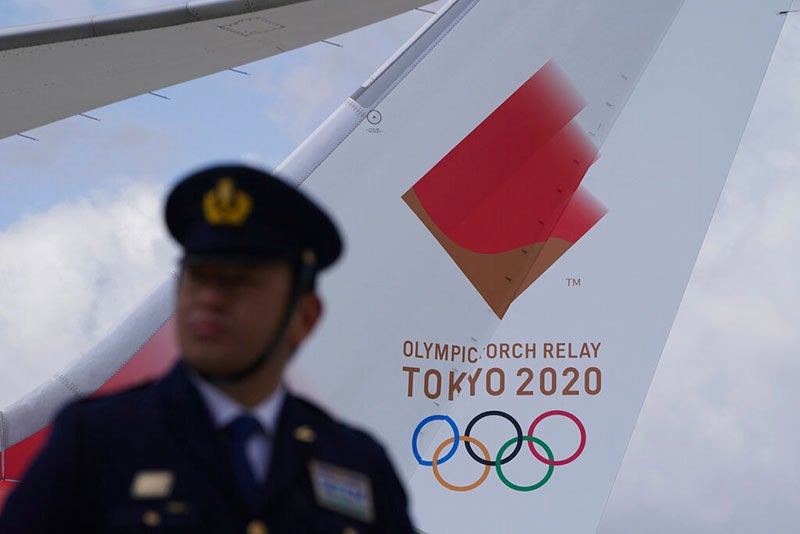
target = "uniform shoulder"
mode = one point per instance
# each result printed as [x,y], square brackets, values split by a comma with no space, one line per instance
[114,404]
[335,430]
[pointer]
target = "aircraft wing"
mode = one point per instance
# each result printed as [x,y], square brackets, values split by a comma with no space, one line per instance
[53,71]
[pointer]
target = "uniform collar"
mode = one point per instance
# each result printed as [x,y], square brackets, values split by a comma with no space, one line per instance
[224,409]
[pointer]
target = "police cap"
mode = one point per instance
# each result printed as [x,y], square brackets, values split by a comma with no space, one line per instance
[237,213]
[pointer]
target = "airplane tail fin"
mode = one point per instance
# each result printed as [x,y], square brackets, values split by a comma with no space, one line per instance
[516,256]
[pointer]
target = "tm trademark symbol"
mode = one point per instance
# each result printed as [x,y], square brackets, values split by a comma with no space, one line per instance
[573,282]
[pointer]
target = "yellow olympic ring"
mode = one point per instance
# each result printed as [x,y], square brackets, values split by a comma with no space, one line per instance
[446,484]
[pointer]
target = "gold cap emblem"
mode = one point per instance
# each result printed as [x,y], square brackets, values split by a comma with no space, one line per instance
[225,205]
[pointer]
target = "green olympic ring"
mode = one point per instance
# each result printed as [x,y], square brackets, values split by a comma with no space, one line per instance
[510,484]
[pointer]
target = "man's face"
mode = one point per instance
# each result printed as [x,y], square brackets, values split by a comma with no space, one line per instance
[227,314]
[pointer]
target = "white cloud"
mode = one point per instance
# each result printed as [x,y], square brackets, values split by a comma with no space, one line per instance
[714,449]
[68,275]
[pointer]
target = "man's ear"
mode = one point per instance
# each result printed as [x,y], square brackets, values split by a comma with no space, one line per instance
[307,313]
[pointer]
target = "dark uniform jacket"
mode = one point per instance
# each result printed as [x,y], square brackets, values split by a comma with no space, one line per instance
[150,460]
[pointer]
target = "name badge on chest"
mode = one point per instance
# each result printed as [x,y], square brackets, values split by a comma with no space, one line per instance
[152,484]
[342,490]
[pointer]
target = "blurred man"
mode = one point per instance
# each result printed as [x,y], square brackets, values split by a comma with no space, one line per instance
[219,445]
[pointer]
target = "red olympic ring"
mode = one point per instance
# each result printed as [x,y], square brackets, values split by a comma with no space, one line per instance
[575,420]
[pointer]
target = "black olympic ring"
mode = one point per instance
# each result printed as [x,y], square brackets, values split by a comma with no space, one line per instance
[504,415]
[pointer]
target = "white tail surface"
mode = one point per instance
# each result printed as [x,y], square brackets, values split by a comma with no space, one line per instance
[514,265]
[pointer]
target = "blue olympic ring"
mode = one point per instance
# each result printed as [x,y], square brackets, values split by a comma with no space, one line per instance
[424,422]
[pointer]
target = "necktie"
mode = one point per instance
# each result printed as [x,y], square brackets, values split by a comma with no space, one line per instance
[240,430]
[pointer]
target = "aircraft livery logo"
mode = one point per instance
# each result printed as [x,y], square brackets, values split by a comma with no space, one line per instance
[506,202]
[505,454]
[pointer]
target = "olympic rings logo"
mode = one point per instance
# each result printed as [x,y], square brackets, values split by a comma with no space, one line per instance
[501,459]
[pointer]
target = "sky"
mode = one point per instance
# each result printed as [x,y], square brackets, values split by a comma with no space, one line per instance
[81,243]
